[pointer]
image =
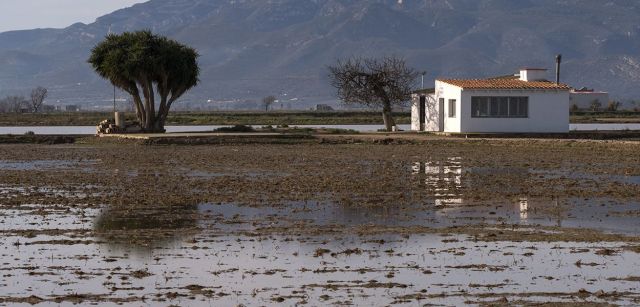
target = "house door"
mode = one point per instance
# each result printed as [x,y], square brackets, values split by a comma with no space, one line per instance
[441,114]
[422,111]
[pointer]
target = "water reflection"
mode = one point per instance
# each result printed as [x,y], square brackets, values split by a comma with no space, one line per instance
[443,177]
[142,230]
[39,165]
[445,183]
[524,209]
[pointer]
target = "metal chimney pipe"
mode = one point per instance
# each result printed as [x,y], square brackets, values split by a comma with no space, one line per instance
[558,61]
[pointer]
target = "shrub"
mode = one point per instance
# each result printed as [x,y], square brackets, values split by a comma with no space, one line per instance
[613,106]
[236,128]
[574,108]
[341,131]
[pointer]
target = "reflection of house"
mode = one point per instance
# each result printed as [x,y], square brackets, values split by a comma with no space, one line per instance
[525,102]
[584,98]
[444,178]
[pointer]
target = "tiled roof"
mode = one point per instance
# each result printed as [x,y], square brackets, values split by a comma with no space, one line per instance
[505,84]
[512,76]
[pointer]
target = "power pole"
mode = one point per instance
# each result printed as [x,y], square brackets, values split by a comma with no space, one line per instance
[114,89]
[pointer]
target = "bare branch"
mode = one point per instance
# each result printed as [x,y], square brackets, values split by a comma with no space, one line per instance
[379,83]
[267,102]
[38,95]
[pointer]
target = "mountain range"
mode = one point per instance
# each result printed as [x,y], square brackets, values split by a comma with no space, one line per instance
[253,48]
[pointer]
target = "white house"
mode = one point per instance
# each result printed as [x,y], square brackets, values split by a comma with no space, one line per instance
[524,102]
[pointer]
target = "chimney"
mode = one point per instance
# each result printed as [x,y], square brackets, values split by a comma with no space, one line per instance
[558,61]
[533,74]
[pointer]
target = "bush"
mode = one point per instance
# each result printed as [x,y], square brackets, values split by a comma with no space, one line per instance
[574,108]
[236,128]
[30,133]
[341,131]
[613,106]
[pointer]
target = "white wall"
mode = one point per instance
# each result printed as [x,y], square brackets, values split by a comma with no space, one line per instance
[415,120]
[448,91]
[533,74]
[548,112]
[431,113]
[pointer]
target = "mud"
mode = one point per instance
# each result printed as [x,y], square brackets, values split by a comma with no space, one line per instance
[445,222]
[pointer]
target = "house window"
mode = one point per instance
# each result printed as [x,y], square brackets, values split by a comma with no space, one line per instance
[500,107]
[452,108]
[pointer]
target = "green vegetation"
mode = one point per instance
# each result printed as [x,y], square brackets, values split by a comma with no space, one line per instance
[273,118]
[208,118]
[605,117]
[236,128]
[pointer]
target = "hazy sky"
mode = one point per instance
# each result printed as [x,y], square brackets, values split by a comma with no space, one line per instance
[29,14]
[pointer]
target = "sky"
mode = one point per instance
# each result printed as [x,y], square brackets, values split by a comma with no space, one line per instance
[30,14]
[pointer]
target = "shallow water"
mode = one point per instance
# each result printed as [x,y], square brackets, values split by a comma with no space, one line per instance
[59,250]
[204,268]
[90,130]
[199,255]
[33,165]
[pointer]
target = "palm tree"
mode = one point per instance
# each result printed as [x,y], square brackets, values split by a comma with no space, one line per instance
[136,61]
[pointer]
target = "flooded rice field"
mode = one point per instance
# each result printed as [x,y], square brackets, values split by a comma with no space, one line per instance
[449,222]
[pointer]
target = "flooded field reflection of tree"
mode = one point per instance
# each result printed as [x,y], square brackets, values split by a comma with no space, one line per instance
[142,230]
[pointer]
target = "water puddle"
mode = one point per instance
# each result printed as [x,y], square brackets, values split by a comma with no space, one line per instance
[317,252]
[41,165]
[206,269]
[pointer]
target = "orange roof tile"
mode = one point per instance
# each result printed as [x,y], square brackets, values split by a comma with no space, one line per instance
[505,84]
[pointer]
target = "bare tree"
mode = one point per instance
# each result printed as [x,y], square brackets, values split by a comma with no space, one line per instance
[38,95]
[15,104]
[267,102]
[379,83]
[4,106]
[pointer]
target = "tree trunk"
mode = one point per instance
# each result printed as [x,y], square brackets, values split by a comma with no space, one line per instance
[158,125]
[140,114]
[388,118]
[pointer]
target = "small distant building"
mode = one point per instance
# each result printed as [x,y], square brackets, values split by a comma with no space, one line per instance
[324,107]
[72,108]
[520,103]
[584,98]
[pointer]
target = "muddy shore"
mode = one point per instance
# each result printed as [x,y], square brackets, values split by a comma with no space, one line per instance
[330,220]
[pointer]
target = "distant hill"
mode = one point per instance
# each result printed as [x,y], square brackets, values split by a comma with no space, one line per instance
[253,48]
